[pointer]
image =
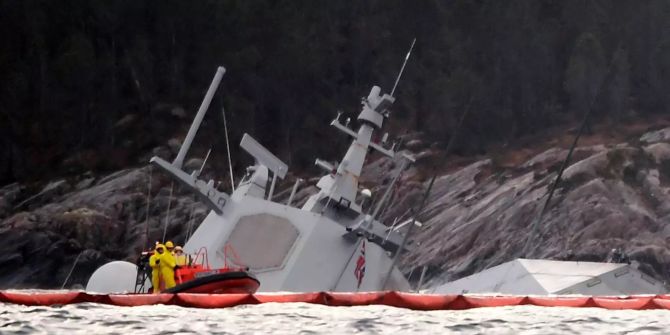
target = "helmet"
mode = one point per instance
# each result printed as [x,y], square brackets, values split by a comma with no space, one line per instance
[169,245]
[178,248]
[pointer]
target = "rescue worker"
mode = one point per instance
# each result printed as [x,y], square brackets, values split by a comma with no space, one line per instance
[167,264]
[154,263]
[180,258]
[170,247]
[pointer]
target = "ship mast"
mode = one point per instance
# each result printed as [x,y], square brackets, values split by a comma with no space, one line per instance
[341,184]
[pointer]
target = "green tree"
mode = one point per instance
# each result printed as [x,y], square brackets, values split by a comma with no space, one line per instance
[585,72]
[618,86]
[660,74]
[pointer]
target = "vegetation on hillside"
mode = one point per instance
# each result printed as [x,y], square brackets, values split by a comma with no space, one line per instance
[94,84]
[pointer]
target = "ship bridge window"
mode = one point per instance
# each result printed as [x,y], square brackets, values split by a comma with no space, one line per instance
[261,241]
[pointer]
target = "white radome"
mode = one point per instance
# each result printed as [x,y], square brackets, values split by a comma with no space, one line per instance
[113,277]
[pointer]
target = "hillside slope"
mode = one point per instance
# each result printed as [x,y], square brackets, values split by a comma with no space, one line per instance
[611,196]
[477,215]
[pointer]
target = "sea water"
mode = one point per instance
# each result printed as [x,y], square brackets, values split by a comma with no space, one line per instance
[301,318]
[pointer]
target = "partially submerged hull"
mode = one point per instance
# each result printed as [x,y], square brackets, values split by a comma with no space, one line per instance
[289,249]
[546,277]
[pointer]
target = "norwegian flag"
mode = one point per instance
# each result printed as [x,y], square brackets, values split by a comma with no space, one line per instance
[359,272]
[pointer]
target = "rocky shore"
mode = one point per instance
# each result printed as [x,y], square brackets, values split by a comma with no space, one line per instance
[611,196]
[477,216]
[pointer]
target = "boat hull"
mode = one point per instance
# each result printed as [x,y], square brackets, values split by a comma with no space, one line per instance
[226,282]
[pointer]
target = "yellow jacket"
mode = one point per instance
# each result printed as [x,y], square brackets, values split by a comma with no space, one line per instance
[154,263]
[153,259]
[181,260]
[167,265]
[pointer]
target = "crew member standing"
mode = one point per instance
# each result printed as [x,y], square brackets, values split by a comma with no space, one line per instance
[180,258]
[170,247]
[154,263]
[167,265]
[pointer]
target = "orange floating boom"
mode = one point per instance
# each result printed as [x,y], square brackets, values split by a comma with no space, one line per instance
[413,301]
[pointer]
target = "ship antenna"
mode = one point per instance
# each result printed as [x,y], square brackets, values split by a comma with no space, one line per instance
[189,230]
[167,216]
[527,248]
[397,79]
[204,161]
[230,164]
[426,194]
[146,223]
[447,150]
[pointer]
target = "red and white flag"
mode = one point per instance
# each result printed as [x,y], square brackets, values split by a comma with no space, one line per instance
[359,272]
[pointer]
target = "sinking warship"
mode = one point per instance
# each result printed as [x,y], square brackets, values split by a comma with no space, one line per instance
[329,244]
[553,277]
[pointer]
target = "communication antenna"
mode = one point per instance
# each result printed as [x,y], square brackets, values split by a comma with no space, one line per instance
[202,167]
[409,230]
[528,246]
[230,164]
[403,66]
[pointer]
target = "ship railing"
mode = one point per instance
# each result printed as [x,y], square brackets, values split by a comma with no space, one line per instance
[231,259]
[201,256]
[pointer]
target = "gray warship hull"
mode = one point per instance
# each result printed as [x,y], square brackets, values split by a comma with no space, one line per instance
[551,277]
[289,249]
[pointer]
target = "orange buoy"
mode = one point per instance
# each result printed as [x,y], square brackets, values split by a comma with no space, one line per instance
[560,301]
[213,300]
[140,299]
[309,297]
[624,303]
[42,298]
[661,303]
[492,301]
[353,298]
[416,301]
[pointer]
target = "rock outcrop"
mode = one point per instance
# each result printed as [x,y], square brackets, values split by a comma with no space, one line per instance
[477,216]
[95,219]
[615,196]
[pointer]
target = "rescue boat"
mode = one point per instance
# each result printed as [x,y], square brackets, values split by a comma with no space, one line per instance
[196,276]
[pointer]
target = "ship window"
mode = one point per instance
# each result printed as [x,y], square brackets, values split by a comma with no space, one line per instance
[621,273]
[345,203]
[261,241]
[648,280]
[593,282]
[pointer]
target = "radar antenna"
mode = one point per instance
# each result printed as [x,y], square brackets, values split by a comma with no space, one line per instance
[397,79]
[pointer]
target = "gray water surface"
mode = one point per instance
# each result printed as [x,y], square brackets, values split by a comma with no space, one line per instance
[301,318]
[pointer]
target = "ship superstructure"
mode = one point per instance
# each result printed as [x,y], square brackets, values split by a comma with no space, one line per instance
[330,244]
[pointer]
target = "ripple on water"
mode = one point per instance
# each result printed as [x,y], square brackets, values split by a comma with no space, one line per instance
[275,319]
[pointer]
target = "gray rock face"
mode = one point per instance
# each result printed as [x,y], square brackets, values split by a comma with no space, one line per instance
[662,135]
[476,217]
[617,196]
[103,220]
